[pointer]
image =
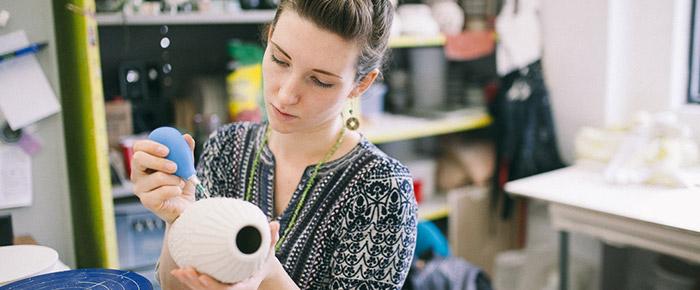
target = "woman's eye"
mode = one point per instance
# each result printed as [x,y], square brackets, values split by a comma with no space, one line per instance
[320,83]
[278,61]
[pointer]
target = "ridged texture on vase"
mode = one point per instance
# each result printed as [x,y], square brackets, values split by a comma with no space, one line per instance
[204,237]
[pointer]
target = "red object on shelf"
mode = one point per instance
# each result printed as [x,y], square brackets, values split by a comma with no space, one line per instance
[418,190]
[470,45]
[127,154]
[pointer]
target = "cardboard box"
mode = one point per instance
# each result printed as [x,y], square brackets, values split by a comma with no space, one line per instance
[119,121]
[475,231]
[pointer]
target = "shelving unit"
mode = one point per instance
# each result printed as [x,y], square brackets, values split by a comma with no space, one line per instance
[389,128]
[243,17]
[416,41]
[434,208]
[126,189]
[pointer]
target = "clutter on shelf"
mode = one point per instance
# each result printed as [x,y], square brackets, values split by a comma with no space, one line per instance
[652,148]
[172,7]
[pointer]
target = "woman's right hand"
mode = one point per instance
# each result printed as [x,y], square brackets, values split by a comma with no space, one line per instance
[163,193]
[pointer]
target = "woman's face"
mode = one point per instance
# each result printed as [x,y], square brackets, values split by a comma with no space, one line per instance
[308,74]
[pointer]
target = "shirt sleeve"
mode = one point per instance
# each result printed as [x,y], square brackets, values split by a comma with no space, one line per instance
[376,248]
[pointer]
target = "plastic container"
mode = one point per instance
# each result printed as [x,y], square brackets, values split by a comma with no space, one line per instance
[244,83]
[428,78]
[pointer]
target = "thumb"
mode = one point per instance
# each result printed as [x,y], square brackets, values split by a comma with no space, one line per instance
[190,141]
[189,189]
[274,232]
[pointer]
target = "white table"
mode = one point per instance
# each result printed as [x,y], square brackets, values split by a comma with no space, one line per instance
[660,219]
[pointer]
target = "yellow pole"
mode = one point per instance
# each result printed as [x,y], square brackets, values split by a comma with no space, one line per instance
[85,133]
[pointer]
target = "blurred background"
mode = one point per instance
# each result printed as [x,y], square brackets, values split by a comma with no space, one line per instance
[476,94]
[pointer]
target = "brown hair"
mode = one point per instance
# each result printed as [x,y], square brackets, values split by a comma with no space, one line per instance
[366,21]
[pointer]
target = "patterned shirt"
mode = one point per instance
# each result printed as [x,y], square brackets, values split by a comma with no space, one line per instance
[357,228]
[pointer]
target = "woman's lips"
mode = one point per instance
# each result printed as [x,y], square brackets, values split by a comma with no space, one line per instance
[283,115]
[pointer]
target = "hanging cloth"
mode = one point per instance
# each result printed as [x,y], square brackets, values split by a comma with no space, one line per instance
[519,35]
[525,136]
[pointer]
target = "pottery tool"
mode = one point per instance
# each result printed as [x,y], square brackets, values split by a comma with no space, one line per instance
[181,154]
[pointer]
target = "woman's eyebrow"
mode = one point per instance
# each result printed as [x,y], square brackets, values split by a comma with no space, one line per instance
[316,70]
[281,50]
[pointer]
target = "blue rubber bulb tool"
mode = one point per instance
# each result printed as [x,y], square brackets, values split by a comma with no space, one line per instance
[180,153]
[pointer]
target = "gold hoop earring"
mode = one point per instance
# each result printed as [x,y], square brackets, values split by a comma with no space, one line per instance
[352,123]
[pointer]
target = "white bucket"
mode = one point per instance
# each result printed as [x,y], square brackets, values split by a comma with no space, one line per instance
[24,261]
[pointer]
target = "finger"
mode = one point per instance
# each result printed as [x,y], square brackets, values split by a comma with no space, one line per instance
[156,180]
[190,141]
[245,284]
[151,147]
[275,227]
[274,232]
[193,277]
[156,198]
[194,281]
[182,277]
[206,281]
[143,161]
[212,283]
[188,189]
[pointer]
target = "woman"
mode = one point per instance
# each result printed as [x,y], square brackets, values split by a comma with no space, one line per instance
[345,211]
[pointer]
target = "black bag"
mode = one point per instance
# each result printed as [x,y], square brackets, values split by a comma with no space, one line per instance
[524,131]
[446,273]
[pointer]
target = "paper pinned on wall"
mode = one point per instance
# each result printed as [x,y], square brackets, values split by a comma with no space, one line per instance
[26,95]
[15,177]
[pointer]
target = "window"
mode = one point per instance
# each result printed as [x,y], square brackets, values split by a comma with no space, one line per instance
[694,77]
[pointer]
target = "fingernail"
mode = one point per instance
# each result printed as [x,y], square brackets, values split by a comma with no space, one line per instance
[163,150]
[171,166]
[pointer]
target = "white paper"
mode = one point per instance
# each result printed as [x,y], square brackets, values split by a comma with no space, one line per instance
[25,93]
[15,177]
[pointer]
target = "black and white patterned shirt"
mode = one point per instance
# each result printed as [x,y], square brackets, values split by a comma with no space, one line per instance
[357,228]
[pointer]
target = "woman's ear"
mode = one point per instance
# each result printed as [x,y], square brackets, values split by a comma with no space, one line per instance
[365,82]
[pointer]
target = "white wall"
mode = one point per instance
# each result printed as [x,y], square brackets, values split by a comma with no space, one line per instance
[650,41]
[603,61]
[575,55]
[48,220]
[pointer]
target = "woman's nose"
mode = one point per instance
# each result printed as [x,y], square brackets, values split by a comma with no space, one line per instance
[289,92]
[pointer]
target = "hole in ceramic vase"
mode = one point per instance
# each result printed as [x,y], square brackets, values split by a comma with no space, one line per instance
[248,240]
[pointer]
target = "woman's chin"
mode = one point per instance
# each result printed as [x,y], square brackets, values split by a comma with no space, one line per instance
[280,127]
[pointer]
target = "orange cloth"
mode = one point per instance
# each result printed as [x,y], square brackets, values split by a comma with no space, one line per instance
[470,45]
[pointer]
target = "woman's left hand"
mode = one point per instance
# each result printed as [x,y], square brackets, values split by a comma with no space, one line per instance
[196,281]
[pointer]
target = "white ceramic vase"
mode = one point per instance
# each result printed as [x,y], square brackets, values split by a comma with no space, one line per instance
[226,238]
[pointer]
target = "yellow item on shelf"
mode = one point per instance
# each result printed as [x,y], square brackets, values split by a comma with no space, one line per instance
[244,87]
[244,83]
